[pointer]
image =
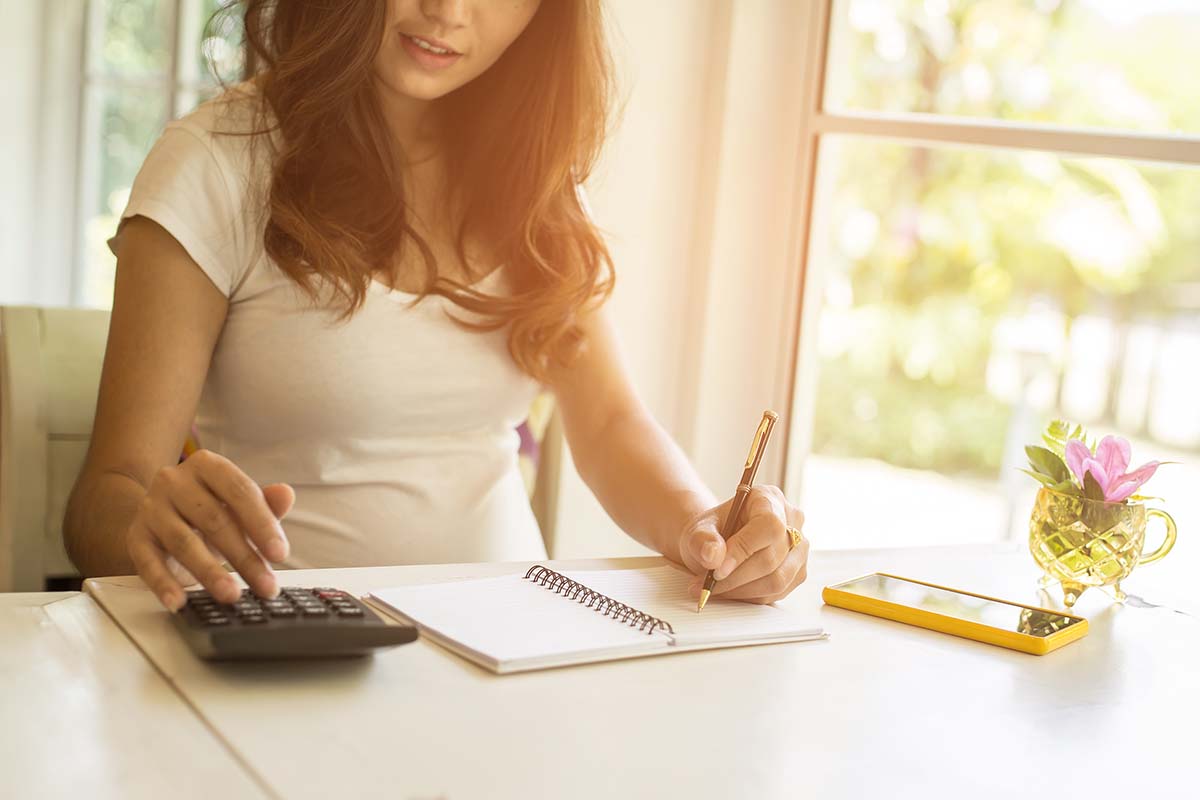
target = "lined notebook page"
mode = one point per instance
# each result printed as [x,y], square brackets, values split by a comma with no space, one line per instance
[510,624]
[662,592]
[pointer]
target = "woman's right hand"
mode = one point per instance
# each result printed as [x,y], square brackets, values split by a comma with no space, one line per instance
[200,513]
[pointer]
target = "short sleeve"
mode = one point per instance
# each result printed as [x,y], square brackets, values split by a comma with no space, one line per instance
[184,187]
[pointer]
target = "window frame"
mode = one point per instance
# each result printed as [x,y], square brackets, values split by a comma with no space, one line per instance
[179,83]
[922,130]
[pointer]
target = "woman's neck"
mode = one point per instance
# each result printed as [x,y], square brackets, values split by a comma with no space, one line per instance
[413,124]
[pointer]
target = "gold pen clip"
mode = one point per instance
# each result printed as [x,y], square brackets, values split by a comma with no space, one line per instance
[758,435]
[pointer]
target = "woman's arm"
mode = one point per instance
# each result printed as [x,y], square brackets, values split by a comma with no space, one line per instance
[165,321]
[633,466]
[649,488]
[133,504]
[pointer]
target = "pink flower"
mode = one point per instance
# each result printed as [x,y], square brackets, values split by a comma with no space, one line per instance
[1108,467]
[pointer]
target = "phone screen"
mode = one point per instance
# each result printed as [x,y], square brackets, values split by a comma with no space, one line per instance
[949,603]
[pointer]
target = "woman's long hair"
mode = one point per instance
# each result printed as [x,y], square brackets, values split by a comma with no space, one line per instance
[518,139]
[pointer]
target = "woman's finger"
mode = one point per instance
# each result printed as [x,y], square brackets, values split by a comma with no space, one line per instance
[244,498]
[769,588]
[764,529]
[150,561]
[179,540]
[761,565]
[199,509]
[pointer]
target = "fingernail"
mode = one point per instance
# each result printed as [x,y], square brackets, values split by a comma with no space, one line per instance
[277,549]
[230,588]
[723,571]
[270,588]
[708,553]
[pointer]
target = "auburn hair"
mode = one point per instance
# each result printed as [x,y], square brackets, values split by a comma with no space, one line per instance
[518,139]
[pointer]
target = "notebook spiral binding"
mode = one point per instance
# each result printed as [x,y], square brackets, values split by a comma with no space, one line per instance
[607,606]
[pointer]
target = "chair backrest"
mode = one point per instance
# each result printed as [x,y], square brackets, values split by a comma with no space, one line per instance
[545,427]
[50,360]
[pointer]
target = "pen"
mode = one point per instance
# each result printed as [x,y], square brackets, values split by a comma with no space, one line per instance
[739,498]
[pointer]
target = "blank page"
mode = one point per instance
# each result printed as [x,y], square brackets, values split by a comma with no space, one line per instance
[662,592]
[511,622]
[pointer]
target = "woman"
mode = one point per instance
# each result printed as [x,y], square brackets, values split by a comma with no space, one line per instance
[354,272]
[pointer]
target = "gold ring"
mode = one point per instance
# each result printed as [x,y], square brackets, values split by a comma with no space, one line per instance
[794,538]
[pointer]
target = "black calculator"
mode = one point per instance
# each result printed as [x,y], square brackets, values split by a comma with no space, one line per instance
[299,623]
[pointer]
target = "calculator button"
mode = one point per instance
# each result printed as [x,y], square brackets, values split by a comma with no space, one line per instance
[349,612]
[253,619]
[286,611]
[319,611]
[328,594]
[216,619]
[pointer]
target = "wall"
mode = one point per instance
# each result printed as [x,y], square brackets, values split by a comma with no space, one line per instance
[649,195]
[20,57]
[40,53]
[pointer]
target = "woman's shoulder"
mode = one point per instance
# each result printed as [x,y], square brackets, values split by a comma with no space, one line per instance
[234,110]
[232,125]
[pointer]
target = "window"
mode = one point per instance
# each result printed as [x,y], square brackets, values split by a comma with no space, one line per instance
[1004,231]
[145,61]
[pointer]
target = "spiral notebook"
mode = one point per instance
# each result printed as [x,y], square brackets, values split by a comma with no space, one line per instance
[543,618]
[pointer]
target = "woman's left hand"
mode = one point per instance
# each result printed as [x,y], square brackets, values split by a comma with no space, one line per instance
[757,563]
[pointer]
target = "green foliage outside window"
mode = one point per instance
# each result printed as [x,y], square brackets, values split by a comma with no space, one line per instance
[924,251]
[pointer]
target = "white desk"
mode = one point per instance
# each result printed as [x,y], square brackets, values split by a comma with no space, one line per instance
[83,714]
[879,710]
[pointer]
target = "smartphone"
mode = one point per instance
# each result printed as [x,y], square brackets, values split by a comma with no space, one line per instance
[1029,629]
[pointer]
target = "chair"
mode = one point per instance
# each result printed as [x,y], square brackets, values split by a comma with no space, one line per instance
[50,361]
[541,463]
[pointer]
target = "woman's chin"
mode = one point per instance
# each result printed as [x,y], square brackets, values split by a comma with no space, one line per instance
[418,87]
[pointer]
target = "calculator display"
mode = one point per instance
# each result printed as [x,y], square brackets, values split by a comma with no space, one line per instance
[949,603]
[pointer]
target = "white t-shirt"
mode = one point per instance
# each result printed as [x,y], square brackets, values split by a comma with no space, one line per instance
[397,428]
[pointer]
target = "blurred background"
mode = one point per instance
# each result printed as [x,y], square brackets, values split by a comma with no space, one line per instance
[969,294]
[990,217]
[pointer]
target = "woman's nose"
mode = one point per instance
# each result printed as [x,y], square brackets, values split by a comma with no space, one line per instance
[451,13]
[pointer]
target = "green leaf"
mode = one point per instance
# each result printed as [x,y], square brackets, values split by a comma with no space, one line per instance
[1067,487]
[1045,479]
[1091,487]
[1055,436]
[1048,463]
[1059,432]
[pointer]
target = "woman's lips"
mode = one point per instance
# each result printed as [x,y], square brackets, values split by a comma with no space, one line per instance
[425,58]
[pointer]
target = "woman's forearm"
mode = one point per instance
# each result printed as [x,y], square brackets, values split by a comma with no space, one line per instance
[98,513]
[644,481]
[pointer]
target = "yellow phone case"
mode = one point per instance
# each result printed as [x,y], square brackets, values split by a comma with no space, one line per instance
[1014,640]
